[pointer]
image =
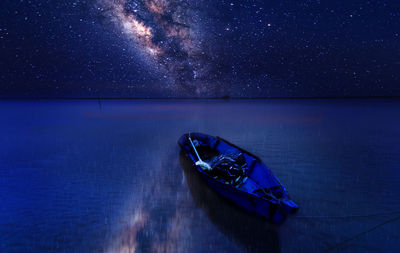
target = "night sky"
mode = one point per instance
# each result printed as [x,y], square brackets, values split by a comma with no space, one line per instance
[202,48]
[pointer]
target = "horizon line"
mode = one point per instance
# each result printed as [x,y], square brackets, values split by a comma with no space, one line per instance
[196,98]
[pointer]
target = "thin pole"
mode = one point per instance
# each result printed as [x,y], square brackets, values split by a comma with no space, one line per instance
[194,148]
[203,165]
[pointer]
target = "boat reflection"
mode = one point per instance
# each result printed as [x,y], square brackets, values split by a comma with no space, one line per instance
[251,233]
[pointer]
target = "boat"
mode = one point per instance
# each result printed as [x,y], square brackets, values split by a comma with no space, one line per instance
[238,176]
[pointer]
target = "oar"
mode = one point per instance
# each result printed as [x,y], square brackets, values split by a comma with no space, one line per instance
[201,163]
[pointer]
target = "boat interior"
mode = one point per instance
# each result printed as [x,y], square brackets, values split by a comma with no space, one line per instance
[234,167]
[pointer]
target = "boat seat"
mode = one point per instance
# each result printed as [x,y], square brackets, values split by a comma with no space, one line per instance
[216,143]
[249,185]
[251,162]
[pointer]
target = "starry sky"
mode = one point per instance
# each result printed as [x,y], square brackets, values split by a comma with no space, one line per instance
[201,48]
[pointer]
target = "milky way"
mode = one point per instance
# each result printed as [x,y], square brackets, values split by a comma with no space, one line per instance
[199,48]
[167,33]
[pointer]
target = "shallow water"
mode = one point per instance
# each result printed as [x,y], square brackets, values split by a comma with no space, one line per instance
[84,176]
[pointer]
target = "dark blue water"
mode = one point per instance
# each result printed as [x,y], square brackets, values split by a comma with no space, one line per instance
[83,176]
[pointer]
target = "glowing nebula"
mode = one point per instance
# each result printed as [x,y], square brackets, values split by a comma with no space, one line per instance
[134,28]
[166,33]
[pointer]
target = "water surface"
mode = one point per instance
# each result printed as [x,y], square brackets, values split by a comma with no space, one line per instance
[84,176]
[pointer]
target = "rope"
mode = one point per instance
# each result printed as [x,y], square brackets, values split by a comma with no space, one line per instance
[362,233]
[347,216]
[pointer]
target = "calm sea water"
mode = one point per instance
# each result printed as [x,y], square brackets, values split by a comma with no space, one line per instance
[84,176]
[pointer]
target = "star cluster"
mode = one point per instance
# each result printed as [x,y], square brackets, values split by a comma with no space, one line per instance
[204,48]
[168,34]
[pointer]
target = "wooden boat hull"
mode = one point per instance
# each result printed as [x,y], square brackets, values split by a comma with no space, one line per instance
[275,207]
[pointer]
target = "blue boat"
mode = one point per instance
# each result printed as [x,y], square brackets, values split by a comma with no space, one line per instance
[238,176]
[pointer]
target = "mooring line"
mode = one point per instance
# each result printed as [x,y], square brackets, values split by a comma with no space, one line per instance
[362,233]
[345,216]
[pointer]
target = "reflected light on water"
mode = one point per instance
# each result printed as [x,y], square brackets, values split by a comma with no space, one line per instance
[127,242]
[145,223]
